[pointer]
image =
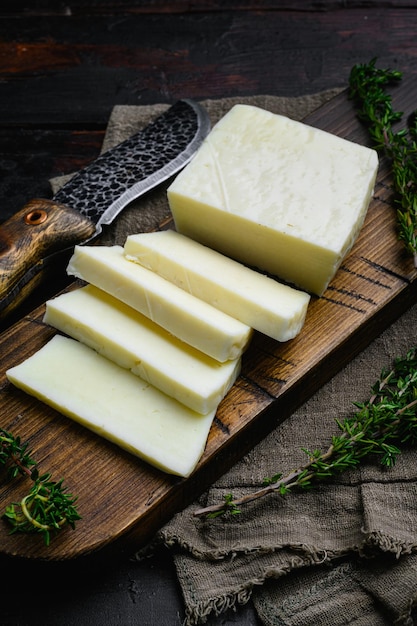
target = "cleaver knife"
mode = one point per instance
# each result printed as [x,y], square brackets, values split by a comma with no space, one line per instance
[45,232]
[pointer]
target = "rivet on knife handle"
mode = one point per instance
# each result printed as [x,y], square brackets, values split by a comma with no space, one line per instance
[40,229]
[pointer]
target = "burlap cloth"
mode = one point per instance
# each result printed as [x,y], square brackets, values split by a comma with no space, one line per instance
[342,554]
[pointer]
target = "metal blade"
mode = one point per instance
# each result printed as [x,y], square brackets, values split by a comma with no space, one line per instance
[151,156]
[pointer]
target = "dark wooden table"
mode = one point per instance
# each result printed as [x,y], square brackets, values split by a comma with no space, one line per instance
[63,67]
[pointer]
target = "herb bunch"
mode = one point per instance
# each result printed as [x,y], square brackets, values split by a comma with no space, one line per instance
[368,89]
[379,425]
[47,507]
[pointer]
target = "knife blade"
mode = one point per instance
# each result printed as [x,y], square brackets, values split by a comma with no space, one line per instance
[45,231]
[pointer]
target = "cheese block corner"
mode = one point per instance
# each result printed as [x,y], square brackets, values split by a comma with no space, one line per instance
[276,194]
[115,404]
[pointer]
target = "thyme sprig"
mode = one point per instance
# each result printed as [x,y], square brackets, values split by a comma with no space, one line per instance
[367,88]
[48,507]
[15,457]
[387,420]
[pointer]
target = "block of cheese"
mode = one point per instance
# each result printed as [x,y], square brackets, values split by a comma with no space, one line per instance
[190,319]
[255,299]
[134,342]
[276,194]
[115,404]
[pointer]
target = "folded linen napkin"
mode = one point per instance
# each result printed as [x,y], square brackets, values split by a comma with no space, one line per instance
[344,553]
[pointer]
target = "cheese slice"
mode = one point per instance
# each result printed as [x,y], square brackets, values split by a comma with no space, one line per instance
[115,404]
[190,319]
[134,342]
[256,300]
[276,194]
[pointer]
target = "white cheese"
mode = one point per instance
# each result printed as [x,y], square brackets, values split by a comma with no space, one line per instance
[256,300]
[134,342]
[186,317]
[276,194]
[115,404]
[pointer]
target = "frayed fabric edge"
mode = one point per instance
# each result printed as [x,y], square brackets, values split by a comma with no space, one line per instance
[199,613]
[374,542]
[304,555]
[377,541]
[316,556]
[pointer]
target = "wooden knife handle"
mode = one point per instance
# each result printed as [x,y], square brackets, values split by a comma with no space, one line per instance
[29,241]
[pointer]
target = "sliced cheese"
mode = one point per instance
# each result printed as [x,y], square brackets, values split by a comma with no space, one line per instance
[115,404]
[256,300]
[134,342]
[190,319]
[276,194]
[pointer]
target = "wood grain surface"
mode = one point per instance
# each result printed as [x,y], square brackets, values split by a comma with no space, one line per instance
[119,497]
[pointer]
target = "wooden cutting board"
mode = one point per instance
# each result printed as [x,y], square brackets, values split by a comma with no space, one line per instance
[121,498]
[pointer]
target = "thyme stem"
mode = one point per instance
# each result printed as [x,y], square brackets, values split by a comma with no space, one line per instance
[47,507]
[367,88]
[386,419]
